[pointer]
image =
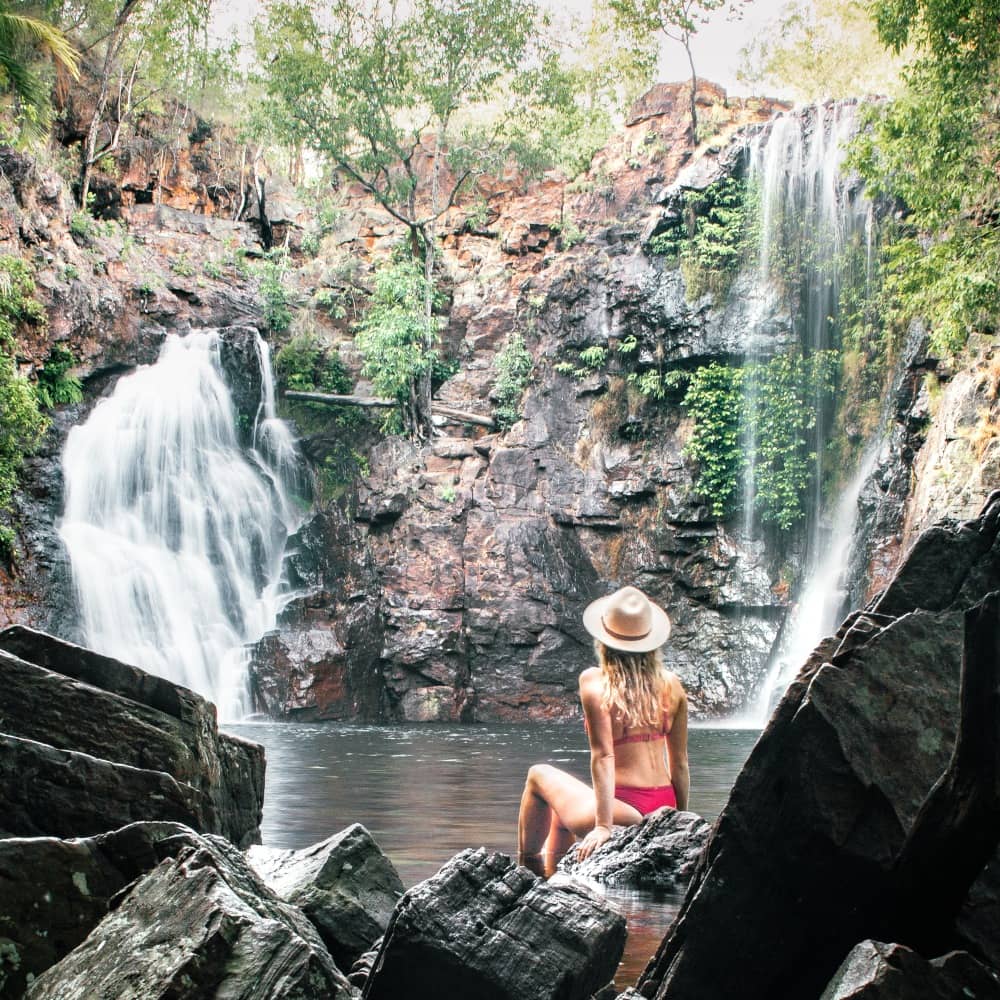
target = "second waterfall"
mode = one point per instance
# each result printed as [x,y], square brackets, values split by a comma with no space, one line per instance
[175,529]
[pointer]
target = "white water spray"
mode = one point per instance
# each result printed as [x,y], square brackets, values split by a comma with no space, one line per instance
[808,217]
[174,533]
[822,602]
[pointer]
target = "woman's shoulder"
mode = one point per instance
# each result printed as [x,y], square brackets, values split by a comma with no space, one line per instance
[592,675]
[674,684]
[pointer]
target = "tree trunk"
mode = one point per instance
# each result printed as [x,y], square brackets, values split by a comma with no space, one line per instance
[694,90]
[90,144]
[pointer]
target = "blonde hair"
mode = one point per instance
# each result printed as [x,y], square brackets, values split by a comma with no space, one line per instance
[634,685]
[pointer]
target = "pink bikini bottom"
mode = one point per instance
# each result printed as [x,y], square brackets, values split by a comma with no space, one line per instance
[646,800]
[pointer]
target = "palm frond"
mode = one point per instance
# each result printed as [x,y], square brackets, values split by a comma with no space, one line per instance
[17,30]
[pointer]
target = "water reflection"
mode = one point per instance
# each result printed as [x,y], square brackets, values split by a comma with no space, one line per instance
[428,792]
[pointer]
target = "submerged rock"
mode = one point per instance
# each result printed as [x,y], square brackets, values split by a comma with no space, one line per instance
[54,892]
[345,885]
[661,852]
[483,927]
[876,971]
[114,744]
[199,925]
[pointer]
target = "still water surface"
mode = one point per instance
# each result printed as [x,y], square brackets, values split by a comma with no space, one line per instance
[428,792]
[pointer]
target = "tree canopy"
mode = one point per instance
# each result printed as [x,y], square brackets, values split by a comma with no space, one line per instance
[817,49]
[936,149]
[22,38]
[678,20]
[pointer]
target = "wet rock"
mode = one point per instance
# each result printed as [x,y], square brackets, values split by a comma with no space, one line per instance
[201,924]
[54,892]
[323,660]
[241,370]
[876,971]
[978,921]
[487,928]
[660,853]
[833,810]
[150,748]
[345,885]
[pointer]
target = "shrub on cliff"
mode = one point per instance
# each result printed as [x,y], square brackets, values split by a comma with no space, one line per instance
[513,366]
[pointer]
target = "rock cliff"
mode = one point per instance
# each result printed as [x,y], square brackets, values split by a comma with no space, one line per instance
[445,582]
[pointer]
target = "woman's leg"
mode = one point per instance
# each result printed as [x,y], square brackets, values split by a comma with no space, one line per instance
[557,809]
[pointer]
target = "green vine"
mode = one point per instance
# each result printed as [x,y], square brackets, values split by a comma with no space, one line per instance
[513,366]
[780,399]
[718,228]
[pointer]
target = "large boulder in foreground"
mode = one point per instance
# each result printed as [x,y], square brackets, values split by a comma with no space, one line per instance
[484,927]
[199,925]
[805,859]
[876,971]
[114,744]
[978,922]
[345,885]
[659,854]
[54,892]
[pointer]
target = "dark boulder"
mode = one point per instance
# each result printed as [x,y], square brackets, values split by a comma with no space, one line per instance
[830,814]
[151,747]
[660,853]
[345,885]
[54,892]
[199,925]
[978,922]
[876,971]
[240,362]
[49,792]
[483,927]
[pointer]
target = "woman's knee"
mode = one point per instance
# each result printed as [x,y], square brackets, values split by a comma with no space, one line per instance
[536,777]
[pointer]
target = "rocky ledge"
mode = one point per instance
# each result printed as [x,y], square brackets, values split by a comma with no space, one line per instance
[91,743]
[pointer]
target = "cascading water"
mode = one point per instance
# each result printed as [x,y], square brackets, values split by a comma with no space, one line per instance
[176,533]
[809,216]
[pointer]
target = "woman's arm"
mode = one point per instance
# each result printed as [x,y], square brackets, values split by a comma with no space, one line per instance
[602,761]
[677,749]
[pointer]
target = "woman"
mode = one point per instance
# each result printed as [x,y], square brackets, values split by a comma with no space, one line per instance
[634,710]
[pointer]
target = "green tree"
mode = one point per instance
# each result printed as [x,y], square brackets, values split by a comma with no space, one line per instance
[602,70]
[412,101]
[396,337]
[22,36]
[678,20]
[937,149]
[144,53]
[816,49]
[513,365]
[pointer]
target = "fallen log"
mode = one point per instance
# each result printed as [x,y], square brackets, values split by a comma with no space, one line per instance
[448,412]
[326,397]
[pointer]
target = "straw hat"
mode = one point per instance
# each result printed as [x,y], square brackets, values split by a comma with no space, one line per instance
[627,620]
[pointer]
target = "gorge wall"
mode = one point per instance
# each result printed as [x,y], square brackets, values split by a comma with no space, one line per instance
[446,582]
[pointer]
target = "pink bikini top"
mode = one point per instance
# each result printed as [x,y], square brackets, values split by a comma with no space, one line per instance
[639,737]
[643,737]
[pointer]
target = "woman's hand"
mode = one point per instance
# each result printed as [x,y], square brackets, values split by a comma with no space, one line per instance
[599,835]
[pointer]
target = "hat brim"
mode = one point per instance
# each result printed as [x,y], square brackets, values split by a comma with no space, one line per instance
[659,632]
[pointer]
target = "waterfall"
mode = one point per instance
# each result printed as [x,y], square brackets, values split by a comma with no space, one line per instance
[822,601]
[809,216]
[175,532]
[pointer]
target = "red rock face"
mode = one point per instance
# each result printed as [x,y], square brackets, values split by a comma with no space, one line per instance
[452,584]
